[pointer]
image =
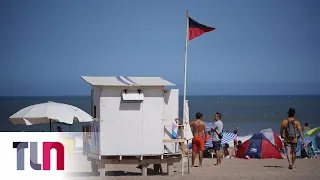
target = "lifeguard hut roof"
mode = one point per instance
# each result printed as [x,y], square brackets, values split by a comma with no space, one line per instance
[126,81]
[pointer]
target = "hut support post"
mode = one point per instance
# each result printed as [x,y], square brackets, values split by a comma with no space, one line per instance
[170,167]
[144,169]
[102,168]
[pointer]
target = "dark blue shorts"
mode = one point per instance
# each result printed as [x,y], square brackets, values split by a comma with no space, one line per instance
[216,145]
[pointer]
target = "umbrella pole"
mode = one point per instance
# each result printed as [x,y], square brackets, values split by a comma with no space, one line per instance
[188,156]
[50,125]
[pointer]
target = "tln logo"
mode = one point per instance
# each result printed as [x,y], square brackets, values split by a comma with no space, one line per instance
[47,146]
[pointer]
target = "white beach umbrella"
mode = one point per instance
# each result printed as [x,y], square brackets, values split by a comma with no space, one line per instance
[187,130]
[50,111]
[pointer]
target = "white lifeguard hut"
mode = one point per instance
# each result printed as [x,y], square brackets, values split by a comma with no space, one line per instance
[134,117]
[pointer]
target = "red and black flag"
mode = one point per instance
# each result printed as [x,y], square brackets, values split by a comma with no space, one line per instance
[196,29]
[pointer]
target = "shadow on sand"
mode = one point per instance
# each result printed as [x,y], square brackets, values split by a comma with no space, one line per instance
[110,173]
[273,166]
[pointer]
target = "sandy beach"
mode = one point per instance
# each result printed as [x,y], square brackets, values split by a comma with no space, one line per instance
[230,169]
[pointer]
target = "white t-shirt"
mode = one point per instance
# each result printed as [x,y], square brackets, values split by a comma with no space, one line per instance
[218,126]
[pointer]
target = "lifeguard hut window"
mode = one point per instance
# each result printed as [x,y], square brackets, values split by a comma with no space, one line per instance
[132,97]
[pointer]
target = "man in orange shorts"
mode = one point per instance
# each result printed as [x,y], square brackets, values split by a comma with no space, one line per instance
[199,138]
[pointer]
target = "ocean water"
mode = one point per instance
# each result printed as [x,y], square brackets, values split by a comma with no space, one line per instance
[248,113]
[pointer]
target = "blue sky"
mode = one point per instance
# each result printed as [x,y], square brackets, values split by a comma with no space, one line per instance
[259,47]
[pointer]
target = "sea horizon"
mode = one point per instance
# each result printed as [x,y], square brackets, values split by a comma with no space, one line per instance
[250,113]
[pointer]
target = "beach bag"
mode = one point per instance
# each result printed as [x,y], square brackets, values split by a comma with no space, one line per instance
[220,135]
[291,130]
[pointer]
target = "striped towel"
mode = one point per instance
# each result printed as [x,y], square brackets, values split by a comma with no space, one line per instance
[227,137]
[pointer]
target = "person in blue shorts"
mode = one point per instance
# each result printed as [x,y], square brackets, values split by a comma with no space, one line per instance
[217,128]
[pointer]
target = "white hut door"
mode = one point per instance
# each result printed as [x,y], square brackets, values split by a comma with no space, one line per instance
[152,121]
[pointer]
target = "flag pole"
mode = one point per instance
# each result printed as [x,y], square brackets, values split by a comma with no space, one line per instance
[185,62]
[185,84]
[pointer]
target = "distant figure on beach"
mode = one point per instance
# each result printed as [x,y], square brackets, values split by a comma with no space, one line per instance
[177,121]
[306,127]
[310,150]
[235,141]
[199,137]
[175,128]
[217,128]
[288,132]
[226,153]
[59,129]
[235,144]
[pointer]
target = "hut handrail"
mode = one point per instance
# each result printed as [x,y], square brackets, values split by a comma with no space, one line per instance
[178,140]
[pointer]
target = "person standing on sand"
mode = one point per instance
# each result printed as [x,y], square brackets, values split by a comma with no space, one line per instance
[288,132]
[198,141]
[235,141]
[217,128]
[176,126]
